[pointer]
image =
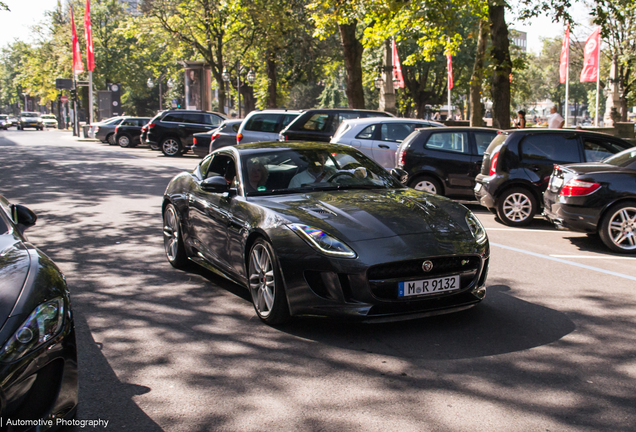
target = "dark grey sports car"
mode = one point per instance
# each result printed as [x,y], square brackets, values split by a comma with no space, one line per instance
[320,229]
[38,358]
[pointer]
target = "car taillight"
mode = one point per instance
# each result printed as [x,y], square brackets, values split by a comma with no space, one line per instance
[215,136]
[194,141]
[116,129]
[402,158]
[493,163]
[96,129]
[239,137]
[151,125]
[578,188]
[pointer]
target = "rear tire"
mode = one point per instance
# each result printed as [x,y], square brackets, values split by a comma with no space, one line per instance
[618,229]
[516,207]
[124,141]
[427,184]
[171,147]
[110,139]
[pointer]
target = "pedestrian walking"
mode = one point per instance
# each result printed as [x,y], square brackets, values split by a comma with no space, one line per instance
[520,121]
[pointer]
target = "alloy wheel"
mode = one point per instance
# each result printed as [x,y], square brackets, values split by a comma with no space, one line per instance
[262,280]
[124,141]
[517,207]
[171,234]
[622,228]
[170,147]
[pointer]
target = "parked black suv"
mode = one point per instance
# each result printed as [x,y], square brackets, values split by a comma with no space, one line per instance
[128,132]
[444,161]
[321,124]
[518,163]
[171,131]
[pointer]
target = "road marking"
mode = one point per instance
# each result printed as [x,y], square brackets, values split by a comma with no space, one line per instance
[562,261]
[521,229]
[595,257]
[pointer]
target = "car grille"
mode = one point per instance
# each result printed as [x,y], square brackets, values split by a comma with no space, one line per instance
[384,278]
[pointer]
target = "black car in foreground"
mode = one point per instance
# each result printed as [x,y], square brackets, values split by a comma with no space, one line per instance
[321,229]
[128,132]
[444,161]
[172,131]
[321,124]
[596,198]
[224,135]
[38,358]
[518,163]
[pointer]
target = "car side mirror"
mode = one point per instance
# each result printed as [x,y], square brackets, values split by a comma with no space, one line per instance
[216,184]
[400,175]
[23,216]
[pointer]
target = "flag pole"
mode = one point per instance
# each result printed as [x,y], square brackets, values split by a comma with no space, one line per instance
[567,89]
[598,83]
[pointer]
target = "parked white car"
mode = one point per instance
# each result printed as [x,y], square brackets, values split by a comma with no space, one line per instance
[49,120]
[379,137]
[264,125]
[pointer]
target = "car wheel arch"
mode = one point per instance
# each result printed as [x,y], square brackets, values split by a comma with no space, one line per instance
[608,206]
[432,174]
[519,184]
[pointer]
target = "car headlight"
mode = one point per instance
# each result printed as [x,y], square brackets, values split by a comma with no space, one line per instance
[44,323]
[476,228]
[323,242]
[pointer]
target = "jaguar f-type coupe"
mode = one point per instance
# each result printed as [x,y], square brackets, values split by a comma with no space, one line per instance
[320,229]
[38,358]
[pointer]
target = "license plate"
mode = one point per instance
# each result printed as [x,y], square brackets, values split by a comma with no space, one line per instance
[477,187]
[428,286]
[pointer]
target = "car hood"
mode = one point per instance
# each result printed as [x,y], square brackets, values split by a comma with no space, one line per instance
[14,268]
[356,215]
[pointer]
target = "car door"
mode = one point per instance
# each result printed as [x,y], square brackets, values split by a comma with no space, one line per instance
[209,215]
[387,140]
[448,153]
[539,152]
[195,123]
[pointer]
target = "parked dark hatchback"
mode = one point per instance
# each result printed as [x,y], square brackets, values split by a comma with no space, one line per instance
[518,163]
[128,133]
[444,161]
[105,131]
[320,124]
[596,198]
[171,131]
[38,352]
[224,135]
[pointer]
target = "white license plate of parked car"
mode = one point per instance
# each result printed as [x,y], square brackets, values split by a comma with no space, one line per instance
[477,187]
[428,286]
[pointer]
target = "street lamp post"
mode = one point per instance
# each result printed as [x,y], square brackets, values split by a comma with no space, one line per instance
[151,84]
[251,77]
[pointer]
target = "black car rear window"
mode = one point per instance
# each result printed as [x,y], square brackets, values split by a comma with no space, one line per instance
[551,147]
[263,123]
[483,140]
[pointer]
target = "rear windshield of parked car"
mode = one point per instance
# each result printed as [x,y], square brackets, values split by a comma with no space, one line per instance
[263,123]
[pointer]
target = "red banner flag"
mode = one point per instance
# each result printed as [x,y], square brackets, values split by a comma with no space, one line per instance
[591,57]
[397,69]
[78,66]
[90,56]
[449,67]
[565,56]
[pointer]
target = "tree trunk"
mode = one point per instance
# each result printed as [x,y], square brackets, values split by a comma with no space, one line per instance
[476,112]
[500,87]
[247,91]
[352,50]
[271,80]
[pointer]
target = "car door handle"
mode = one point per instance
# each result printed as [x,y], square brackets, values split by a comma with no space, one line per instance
[383,146]
[181,125]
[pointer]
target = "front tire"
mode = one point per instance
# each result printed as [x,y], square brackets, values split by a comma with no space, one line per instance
[172,238]
[618,229]
[265,283]
[427,184]
[110,139]
[171,146]
[516,207]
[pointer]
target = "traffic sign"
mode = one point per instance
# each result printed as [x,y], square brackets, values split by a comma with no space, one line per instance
[63,99]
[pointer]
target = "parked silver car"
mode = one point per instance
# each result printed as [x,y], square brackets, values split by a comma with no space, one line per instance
[379,137]
[264,125]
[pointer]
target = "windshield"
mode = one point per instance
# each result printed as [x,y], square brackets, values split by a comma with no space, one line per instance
[48,116]
[624,158]
[308,170]
[28,114]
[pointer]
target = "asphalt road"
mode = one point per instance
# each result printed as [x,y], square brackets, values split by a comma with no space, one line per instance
[551,348]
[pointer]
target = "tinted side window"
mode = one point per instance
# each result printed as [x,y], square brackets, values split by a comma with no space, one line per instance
[222,165]
[174,117]
[395,132]
[129,122]
[262,123]
[316,123]
[367,132]
[236,126]
[548,147]
[203,166]
[194,118]
[594,151]
[483,140]
[287,119]
[448,141]
[212,119]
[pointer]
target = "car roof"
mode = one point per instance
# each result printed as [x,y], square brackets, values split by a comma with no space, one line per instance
[388,120]
[273,111]
[261,147]
[560,131]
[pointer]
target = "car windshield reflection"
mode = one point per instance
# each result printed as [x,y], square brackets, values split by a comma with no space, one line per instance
[312,170]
